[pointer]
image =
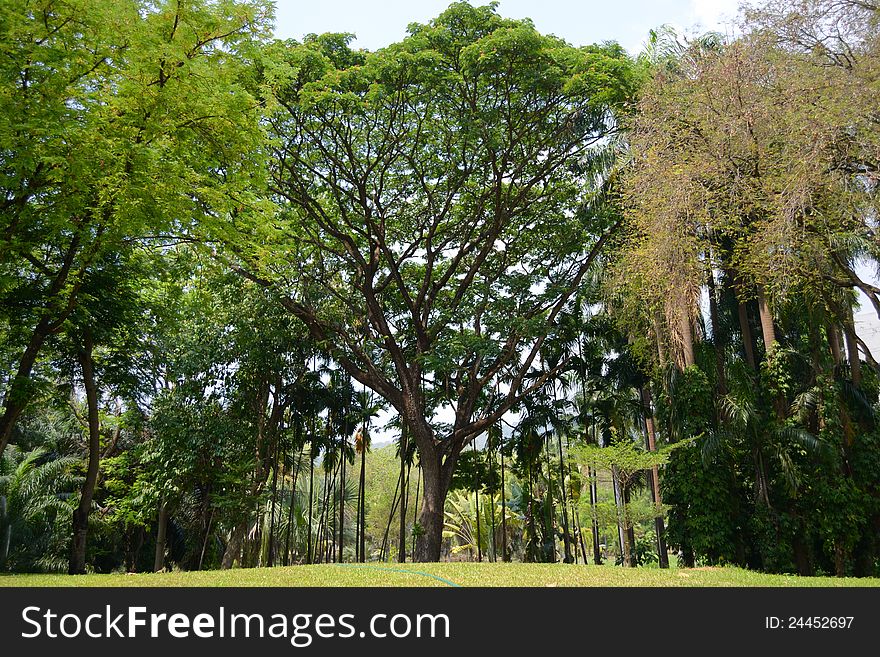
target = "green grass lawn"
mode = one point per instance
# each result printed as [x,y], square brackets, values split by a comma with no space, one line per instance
[442,574]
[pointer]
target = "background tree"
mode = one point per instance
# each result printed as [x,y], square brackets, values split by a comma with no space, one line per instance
[477,121]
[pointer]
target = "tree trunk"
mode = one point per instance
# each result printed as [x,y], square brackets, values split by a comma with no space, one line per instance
[233,547]
[435,486]
[477,503]
[621,517]
[549,509]
[398,494]
[834,343]
[745,330]
[594,519]
[161,532]
[416,507]
[341,507]
[404,497]
[717,337]
[564,498]
[362,508]
[654,479]
[687,341]
[77,564]
[630,530]
[270,556]
[503,509]
[205,541]
[767,329]
[311,500]
[852,349]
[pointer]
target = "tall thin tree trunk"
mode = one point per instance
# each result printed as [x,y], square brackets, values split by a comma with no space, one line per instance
[834,343]
[341,506]
[234,546]
[658,335]
[161,532]
[687,340]
[362,510]
[504,556]
[654,478]
[394,504]
[477,502]
[270,557]
[580,539]
[630,530]
[717,337]
[578,534]
[748,339]
[493,555]
[766,322]
[309,553]
[404,494]
[621,517]
[594,516]
[77,564]
[531,546]
[852,349]
[550,513]
[205,542]
[564,498]
[416,505]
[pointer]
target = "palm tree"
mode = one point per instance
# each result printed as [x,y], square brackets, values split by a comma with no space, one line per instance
[36,500]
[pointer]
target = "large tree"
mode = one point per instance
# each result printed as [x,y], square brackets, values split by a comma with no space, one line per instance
[433,214]
[118,120]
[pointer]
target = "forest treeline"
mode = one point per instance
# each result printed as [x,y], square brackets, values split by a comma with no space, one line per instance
[600,305]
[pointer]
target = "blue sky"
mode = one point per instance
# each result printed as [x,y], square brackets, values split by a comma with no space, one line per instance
[377,24]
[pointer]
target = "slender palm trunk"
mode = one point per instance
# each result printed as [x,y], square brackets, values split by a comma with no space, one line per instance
[550,506]
[654,478]
[309,553]
[477,505]
[493,556]
[575,521]
[619,501]
[341,506]
[362,505]
[503,510]
[594,516]
[564,499]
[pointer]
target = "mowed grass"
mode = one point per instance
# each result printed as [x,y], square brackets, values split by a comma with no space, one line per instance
[443,574]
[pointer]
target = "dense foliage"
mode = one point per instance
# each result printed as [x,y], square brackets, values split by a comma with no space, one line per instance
[480,294]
